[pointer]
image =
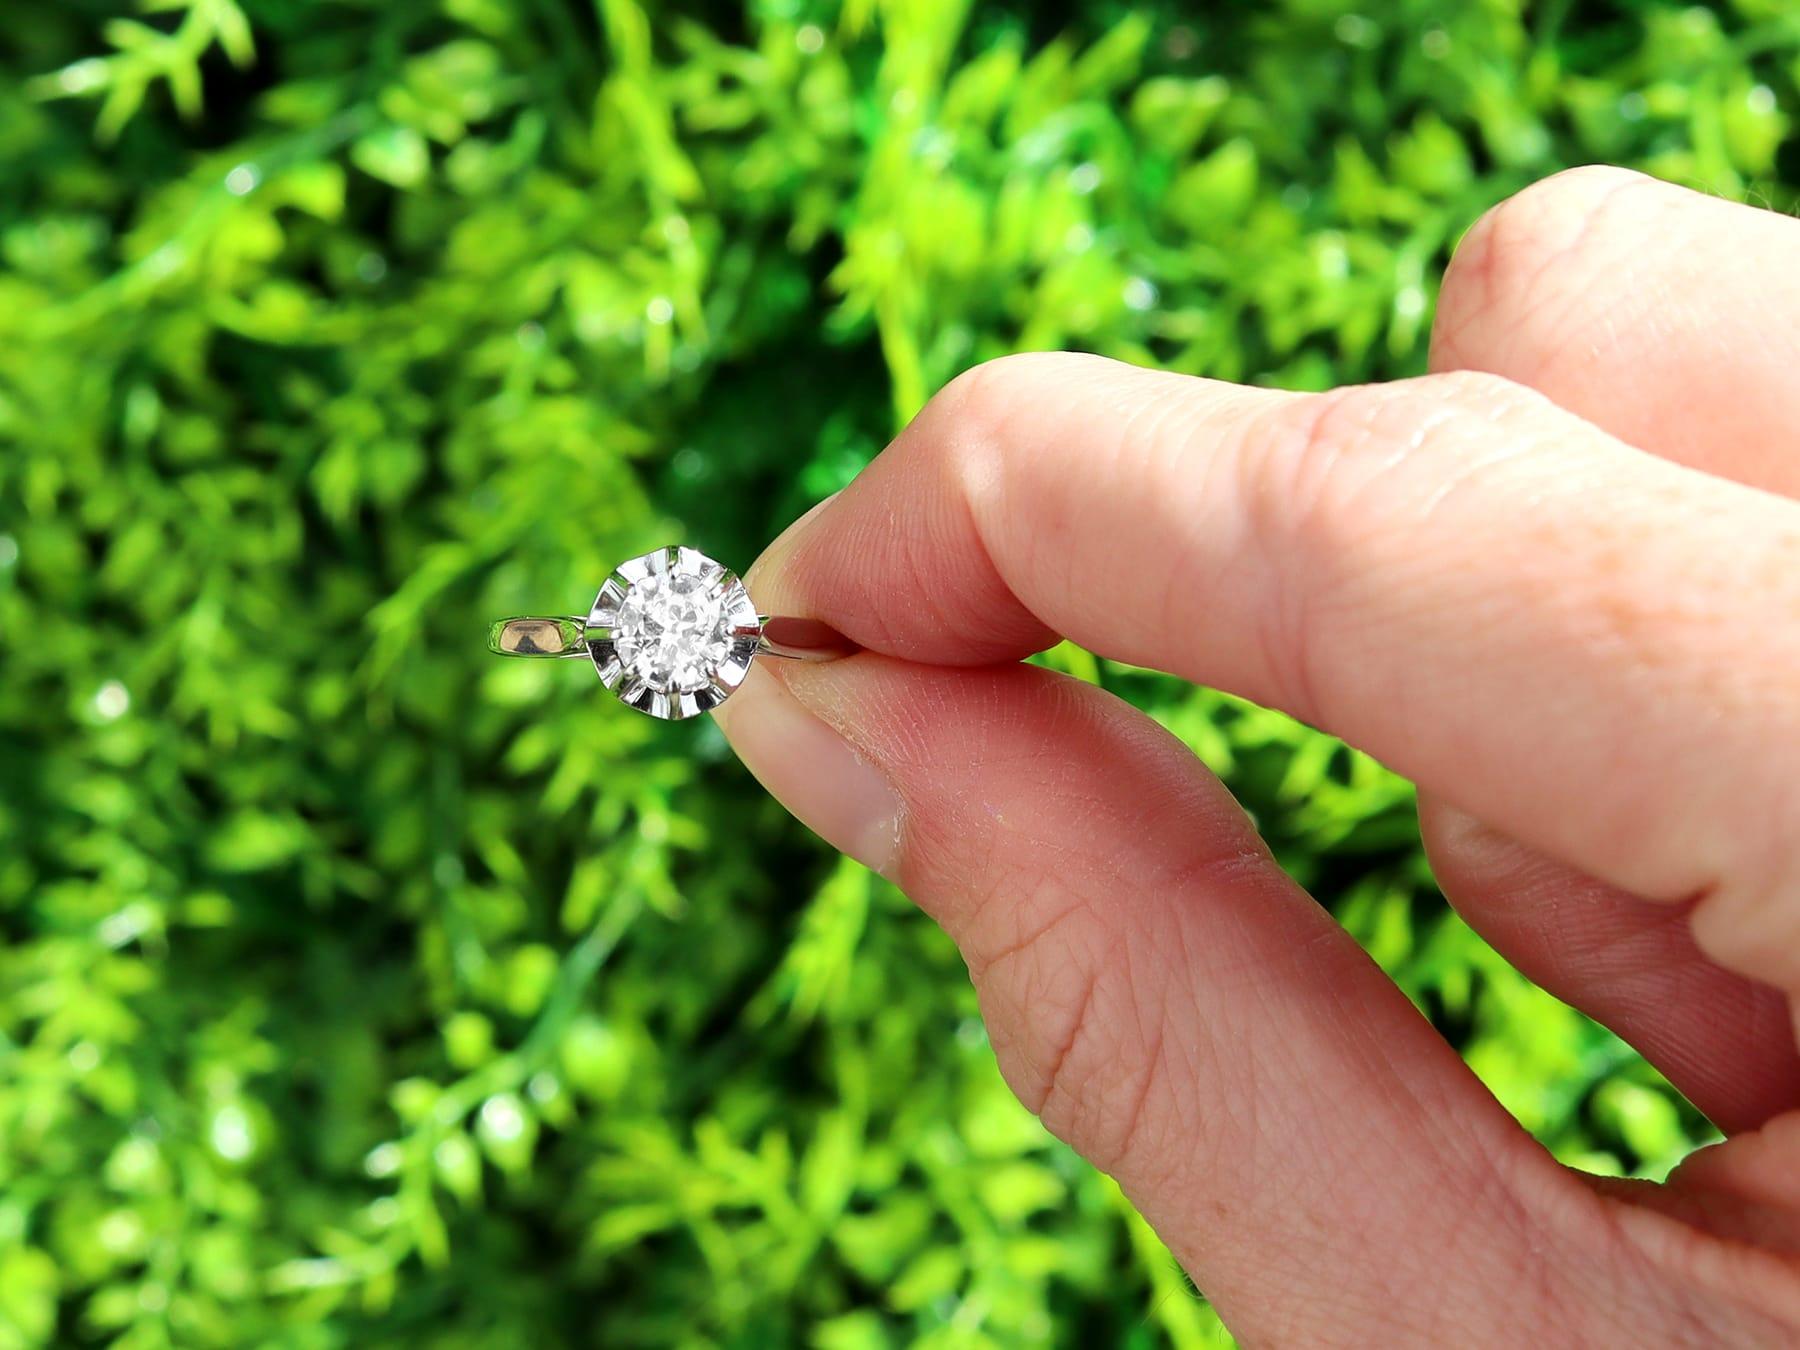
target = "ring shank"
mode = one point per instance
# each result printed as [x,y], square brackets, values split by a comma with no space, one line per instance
[550,636]
[802,639]
[538,636]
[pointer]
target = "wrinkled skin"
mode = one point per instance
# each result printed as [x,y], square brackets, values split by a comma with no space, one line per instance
[1556,582]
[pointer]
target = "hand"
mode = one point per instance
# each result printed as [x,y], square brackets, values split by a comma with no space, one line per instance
[1557,583]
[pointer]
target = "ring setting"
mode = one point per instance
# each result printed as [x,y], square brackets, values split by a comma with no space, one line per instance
[672,633]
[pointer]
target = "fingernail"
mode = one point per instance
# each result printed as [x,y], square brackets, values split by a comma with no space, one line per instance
[1454,831]
[812,770]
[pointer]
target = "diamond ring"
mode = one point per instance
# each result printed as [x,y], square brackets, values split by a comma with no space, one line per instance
[672,633]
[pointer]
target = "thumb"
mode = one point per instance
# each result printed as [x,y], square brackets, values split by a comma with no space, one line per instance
[1173,1006]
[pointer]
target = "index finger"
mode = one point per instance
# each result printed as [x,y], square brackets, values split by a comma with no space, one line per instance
[1575,641]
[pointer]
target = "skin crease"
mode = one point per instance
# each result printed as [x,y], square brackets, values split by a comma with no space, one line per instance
[1557,583]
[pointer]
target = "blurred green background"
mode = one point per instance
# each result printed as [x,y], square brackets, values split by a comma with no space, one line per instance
[359,989]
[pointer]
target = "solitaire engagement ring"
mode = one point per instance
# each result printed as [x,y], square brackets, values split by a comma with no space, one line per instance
[672,633]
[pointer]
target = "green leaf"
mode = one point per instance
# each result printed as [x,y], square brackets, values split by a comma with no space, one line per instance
[1217,191]
[508,1131]
[932,1275]
[829,1166]
[28,1294]
[1014,1192]
[396,155]
[458,1166]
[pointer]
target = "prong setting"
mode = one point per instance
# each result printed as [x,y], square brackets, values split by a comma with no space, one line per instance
[672,632]
[605,612]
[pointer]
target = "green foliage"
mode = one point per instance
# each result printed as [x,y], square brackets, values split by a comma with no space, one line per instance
[358,989]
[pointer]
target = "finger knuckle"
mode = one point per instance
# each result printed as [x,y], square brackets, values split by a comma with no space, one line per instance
[1077,1032]
[1334,466]
[1331,481]
[1534,255]
[1097,1083]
